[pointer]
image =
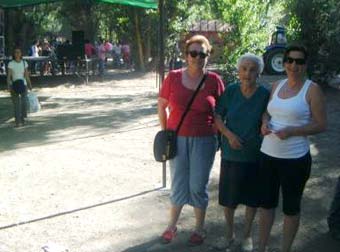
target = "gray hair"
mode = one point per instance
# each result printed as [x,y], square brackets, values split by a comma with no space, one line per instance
[252,57]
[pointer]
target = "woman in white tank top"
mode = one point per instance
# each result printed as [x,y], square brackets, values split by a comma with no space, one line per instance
[296,109]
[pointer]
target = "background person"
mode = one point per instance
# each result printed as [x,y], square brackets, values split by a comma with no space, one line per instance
[46,51]
[101,51]
[90,50]
[238,117]
[333,218]
[18,70]
[126,54]
[117,55]
[90,53]
[35,51]
[108,48]
[296,110]
[196,141]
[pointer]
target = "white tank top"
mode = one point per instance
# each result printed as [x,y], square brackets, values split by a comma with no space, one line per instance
[293,111]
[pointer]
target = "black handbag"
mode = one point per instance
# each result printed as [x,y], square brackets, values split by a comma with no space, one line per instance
[165,142]
[164,145]
[19,86]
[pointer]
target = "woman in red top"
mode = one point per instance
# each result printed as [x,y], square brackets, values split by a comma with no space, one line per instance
[196,141]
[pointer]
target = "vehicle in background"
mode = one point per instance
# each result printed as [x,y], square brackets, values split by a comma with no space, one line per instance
[273,56]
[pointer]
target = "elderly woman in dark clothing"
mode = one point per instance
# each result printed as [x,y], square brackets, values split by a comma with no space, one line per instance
[238,117]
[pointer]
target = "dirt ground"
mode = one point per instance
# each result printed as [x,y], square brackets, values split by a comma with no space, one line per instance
[81,175]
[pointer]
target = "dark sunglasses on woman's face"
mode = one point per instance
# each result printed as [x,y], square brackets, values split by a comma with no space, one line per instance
[298,61]
[194,54]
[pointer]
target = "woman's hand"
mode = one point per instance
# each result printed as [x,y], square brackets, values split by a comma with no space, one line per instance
[265,130]
[284,133]
[235,142]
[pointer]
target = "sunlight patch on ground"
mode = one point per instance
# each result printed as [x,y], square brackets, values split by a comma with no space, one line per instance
[314,150]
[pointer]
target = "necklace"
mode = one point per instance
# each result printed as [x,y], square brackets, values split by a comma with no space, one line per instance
[292,90]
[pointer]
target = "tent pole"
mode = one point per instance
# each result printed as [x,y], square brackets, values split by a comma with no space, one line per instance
[161,67]
[161,40]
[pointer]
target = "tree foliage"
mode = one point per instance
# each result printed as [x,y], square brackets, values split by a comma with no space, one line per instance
[314,22]
[136,26]
[252,22]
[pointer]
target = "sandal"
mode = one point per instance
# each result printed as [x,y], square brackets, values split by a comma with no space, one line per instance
[223,243]
[197,238]
[169,234]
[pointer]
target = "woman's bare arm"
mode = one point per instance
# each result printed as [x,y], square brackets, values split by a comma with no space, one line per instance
[162,114]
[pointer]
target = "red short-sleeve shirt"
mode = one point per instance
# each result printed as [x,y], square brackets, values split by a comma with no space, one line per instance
[200,118]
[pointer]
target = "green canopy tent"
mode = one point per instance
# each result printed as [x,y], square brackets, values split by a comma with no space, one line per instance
[151,4]
[138,3]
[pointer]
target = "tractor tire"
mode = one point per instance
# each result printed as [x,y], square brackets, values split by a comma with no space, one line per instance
[274,62]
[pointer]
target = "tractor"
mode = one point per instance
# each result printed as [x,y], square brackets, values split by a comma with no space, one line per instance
[273,56]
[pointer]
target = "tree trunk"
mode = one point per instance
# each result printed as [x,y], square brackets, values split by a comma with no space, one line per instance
[139,41]
[11,40]
[148,42]
[89,29]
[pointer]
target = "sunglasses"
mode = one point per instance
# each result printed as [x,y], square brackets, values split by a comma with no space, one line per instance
[290,60]
[194,54]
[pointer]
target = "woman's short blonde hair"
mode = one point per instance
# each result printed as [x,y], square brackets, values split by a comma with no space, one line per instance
[200,39]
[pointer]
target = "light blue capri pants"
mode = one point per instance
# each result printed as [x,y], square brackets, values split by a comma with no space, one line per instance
[190,170]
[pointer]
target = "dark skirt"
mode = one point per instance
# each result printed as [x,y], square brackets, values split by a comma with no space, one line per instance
[238,184]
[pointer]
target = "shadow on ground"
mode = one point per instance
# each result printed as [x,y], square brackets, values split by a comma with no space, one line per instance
[65,118]
[313,236]
[322,242]
[74,79]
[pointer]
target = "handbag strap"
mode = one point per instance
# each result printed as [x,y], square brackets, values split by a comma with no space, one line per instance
[190,102]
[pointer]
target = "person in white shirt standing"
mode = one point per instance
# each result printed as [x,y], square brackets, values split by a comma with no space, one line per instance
[296,109]
[17,81]
[35,49]
[34,52]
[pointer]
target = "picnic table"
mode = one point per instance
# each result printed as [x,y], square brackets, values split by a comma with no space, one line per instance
[82,67]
